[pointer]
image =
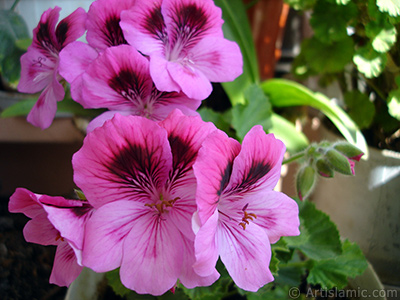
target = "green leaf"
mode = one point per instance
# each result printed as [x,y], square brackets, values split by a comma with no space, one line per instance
[11,66]
[237,28]
[330,20]
[319,238]
[269,292]
[284,93]
[115,282]
[218,119]
[385,39]
[382,33]
[334,272]
[217,290]
[12,28]
[301,4]
[69,106]
[394,104]
[369,62]
[327,58]
[23,44]
[360,108]
[294,140]
[21,108]
[392,7]
[257,111]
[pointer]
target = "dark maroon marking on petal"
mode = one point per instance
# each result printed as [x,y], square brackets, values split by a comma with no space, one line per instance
[135,168]
[113,35]
[182,152]
[129,85]
[225,176]
[154,24]
[256,172]
[191,22]
[249,181]
[82,210]
[44,41]
[61,33]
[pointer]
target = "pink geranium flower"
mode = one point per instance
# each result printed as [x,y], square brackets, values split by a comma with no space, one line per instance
[185,43]
[39,66]
[138,175]
[119,80]
[103,29]
[239,214]
[55,221]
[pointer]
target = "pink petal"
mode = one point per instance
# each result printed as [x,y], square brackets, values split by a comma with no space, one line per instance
[70,221]
[40,231]
[44,35]
[213,170]
[246,255]
[200,18]
[103,29]
[37,71]
[71,28]
[277,213]
[161,76]
[153,252]
[206,247]
[118,80]
[126,158]
[26,202]
[143,26]
[188,277]
[65,267]
[105,234]
[75,58]
[101,119]
[44,111]
[258,165]
[220,60]
[192,81]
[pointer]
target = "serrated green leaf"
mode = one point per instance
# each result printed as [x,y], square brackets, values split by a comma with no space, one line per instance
[328,58]
[392,7]
[394,104]
[334,272]
[257,111]
[360,108]
[382,33]
[319,238]
[284,93]
[369,62]
[236,27]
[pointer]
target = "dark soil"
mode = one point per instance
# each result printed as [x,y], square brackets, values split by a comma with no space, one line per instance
[24,267]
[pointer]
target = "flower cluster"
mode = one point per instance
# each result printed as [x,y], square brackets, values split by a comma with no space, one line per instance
[163,194]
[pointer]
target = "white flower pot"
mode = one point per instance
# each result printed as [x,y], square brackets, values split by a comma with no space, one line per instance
[366,209]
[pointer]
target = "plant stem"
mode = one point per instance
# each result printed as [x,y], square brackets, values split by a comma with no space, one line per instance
[293,158]
[14,5]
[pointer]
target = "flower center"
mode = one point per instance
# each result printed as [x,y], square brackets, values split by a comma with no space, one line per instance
[247,216]
[162,205]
